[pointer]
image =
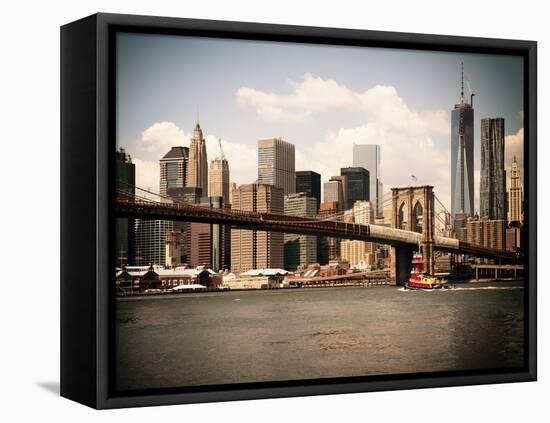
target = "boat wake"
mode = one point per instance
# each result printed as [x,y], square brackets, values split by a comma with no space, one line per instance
[477,288]
[503,288]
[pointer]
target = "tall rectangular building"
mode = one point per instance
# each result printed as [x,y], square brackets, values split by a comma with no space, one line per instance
[516,194]
[513,238]
[185,195]
[208,240]
[367,156]
[175,249]
[360,253]
[328,247]
[218,182]
[125,227]
[309,182]
[251,249]
[462,157]
[363,212]
[151,236]
[300,250]
[358,185]
[173,170]
[276,164]
[492,184]
[334,193]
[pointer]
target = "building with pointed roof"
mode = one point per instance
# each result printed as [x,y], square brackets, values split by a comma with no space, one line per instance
[218,182]
[516,194]
[197,165]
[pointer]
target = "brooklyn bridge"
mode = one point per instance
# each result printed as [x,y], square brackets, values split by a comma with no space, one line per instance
[412,227]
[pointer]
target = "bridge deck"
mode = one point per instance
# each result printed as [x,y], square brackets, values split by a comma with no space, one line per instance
[292,224]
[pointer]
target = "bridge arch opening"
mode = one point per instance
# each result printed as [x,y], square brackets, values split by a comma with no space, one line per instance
[417,217]
[403,216]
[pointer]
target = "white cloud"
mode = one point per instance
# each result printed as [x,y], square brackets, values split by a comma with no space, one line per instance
[310,96]
[315,95]
[147,174]
[160,137]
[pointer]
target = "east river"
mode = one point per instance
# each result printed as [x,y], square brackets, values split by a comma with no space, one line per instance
[250,336]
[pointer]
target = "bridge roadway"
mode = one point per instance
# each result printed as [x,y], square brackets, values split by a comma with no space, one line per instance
[297,225]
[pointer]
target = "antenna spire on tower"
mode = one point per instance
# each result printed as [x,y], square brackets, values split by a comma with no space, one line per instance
[462,80]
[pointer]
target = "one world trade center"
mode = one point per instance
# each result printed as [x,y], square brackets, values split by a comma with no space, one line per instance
[462,156]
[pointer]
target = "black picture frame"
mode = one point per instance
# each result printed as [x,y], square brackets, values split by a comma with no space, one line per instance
[87,137]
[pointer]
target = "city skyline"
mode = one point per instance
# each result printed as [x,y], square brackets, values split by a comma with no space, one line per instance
[259,181]
[314,104]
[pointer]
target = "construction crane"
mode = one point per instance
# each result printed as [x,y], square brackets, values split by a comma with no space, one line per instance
[221,149]
[472,93]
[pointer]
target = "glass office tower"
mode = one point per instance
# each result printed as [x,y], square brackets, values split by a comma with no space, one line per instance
[368,156]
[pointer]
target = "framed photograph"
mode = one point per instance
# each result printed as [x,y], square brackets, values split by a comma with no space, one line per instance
[256,211]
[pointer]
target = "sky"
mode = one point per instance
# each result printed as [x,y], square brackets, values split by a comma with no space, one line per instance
[321,98]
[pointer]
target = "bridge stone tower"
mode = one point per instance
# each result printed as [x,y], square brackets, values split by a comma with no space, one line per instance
[413,210]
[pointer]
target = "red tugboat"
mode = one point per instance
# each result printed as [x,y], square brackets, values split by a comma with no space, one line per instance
[418,280]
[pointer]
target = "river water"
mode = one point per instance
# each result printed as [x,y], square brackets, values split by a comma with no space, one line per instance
[250,336]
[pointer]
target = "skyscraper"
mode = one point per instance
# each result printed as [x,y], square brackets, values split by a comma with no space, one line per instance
[309,182]
[516,194]
[487,233]
[151,235]
[187,195]
[360,253]
[363,212]
[276,164]
[197,165]
[357,253]
[358,185]
[462,156]
[251,249]
[300,250]
[175,248]
[218,183]
[206,240]
[367,156]
[173,170]
[151,241]
[328,247]
[219,237]
[492,184]
[232,187]
[219,197]
[343,180]
[125,227]
[334,193]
